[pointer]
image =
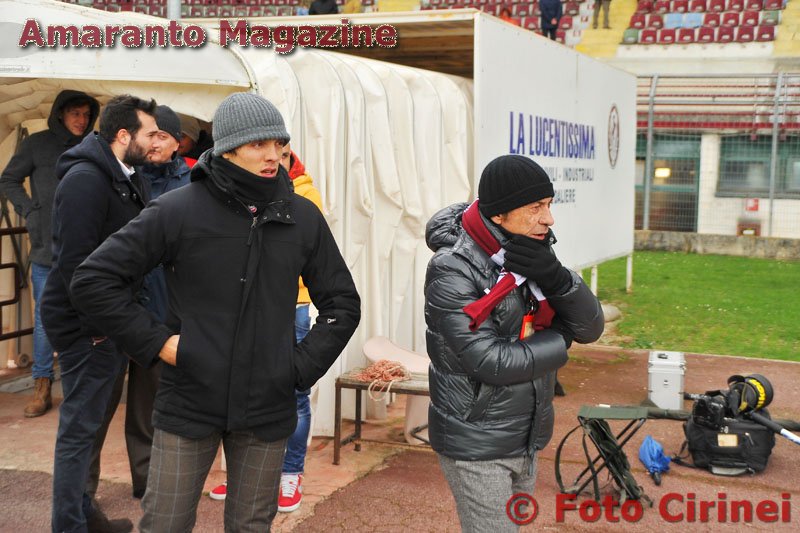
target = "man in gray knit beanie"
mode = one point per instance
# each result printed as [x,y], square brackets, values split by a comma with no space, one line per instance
[233,244]
[243,118]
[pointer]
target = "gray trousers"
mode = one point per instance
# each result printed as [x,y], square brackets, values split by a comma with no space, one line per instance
[178,470]
[482,490]
[605,4]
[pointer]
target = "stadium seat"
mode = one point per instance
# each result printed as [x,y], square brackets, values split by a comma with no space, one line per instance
[773,4]
[730,19]
[697,6]
[226,11]
[572,9]
[662,6]
[673,20]
[753,5]
[735,5]
[196,11]
[716,6]
[565,23]
[750,18]
[666,36]
[212,11]
[638,21]
[655,21]
[560,36]
[530,23]
[680,6]
[725,34]
[770,18]
[765,33]
[648,36]
[686,35]
[521,10]
[711,19]
[692,20]
[745,34]
[630,36]
[644,6]
[705,34]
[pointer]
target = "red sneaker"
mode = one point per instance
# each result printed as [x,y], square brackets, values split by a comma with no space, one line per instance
[219,492]
[291,492]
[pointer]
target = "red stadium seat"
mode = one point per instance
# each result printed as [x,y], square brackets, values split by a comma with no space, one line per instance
[725,34]
[716,6]
[711,19]
[765,33]
[572,8]
[662,6]
[745,34]
[773,4]
[735,5]
[680,6]
[521,10]
[753,5]
[666,36]
[637,21]
[655,21]
[698,6]
[750,18]
[560,36]
[530,23]
[730,19]
[644,6]
[565,23]
[686,35]
[648,36]
[705,34]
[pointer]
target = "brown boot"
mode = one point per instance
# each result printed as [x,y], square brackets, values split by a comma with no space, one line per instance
[41,401]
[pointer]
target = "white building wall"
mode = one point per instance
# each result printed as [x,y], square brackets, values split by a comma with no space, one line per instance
[721,216]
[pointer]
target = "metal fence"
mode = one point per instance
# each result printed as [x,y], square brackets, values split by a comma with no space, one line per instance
[719,154]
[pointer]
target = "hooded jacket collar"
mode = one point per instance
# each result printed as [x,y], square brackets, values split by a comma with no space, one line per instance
[55,124]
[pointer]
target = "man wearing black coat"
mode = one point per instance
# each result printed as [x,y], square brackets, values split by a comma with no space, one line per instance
[323,7]
[72,118]
[551,15]
[233,244]
[98,194]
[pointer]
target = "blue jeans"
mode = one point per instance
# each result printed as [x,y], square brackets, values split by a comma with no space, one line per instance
[42,351]
[88,373]
[295,459]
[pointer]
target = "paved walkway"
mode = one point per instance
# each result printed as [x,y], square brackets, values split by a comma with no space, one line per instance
[389,488]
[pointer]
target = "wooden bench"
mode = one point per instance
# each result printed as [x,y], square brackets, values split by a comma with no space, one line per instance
[416,386]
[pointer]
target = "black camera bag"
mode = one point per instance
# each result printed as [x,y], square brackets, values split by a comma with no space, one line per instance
[737,446]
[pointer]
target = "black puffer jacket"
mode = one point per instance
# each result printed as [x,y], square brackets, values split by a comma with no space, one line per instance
[36,160]
[491,394]
[232,290]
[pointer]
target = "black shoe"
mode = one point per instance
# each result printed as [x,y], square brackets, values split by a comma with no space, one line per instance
[138,493]
[559,389]
[98,522]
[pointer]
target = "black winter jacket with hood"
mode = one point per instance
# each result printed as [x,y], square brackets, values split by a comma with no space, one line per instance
[36,159]
[491,394]
[232,285]
[94,199]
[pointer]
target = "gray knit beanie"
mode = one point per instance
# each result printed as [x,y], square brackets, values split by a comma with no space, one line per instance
[243,118]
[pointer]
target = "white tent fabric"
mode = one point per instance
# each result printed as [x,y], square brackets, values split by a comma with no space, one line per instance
[386,145]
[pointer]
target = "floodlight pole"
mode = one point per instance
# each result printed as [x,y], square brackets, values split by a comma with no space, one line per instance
[174,9]
[773,164]
[648,161]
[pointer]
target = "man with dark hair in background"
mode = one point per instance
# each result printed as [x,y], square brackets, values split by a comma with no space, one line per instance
[323,7]
[71,118]
[98,194]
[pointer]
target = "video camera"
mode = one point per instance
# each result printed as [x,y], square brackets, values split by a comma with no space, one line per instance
[743,396]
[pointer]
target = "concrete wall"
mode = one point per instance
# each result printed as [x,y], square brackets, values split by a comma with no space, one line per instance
[673,241]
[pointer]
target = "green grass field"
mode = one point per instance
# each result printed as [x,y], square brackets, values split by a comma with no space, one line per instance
[707,304]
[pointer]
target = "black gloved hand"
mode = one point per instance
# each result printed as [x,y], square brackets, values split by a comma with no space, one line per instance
[534,260]
[561,328]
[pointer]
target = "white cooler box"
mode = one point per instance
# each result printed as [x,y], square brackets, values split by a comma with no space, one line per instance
[665,384]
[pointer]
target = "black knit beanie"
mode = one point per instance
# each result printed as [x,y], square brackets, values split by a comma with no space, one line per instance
[167,120]
[509,182]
